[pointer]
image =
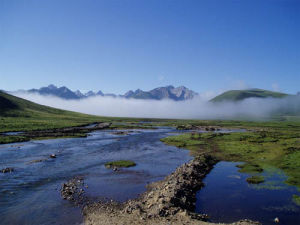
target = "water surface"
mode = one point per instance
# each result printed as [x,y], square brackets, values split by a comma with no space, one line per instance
[30,195]
[227,197]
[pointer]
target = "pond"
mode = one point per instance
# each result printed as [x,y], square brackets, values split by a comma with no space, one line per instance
[227,197]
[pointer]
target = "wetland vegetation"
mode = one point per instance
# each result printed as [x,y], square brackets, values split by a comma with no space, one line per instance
[261,147]
[120,163]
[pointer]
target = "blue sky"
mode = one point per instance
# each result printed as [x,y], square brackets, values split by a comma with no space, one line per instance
[117,45]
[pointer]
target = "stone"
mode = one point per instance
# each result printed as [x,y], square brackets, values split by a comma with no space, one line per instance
[7,170]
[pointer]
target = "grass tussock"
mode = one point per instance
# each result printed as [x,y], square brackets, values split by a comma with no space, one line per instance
[255,179]
[296,199]
[120,163]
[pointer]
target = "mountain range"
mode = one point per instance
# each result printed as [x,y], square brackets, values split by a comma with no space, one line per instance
[180,93]
[169,92]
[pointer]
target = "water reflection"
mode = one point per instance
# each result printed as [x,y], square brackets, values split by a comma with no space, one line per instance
[227,197]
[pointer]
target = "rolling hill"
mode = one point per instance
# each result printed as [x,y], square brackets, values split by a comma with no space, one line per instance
[238,95]
[18,114]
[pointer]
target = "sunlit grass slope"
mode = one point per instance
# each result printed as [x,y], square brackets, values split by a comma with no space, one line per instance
[17,114]
[237,95]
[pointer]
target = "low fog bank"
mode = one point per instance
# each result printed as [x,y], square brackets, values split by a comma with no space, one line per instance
[197,108]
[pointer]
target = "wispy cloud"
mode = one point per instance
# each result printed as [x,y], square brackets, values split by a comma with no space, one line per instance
[161,78]
[275,87]
[240,85]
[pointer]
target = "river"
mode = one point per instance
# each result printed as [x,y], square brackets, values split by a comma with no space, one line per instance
[31,194]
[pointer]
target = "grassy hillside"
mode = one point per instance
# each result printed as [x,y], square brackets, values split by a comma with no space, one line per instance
[17,114]
[237,95]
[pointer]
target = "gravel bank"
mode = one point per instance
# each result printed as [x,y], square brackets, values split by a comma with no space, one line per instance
[170,201]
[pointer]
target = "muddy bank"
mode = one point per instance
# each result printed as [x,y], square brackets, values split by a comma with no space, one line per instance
[170,201]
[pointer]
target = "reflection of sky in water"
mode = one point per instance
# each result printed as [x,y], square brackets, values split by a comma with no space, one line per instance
[31,195]
[227,197]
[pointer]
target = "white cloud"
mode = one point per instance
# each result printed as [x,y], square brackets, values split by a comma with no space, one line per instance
[208,95]
[198,108]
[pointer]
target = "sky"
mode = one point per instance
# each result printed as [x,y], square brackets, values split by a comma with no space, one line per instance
[121,45]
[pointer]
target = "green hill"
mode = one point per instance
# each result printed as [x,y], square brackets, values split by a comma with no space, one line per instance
[238,95]
[17,114]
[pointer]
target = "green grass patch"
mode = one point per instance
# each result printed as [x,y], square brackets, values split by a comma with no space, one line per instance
[255,179]
[250,168]
[183,140]
[296,199]
[12,139]
[120,163]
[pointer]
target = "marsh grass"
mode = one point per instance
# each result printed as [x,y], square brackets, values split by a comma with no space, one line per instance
[255,179]
[296,199]
[120,163]
[259,150]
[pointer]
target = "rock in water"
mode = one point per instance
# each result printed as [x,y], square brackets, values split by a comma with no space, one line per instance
[7,170]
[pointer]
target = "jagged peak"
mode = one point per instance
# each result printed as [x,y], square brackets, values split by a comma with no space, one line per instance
[169,91]
[51,86]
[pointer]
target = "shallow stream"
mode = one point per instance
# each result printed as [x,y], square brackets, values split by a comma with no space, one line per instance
[31,194]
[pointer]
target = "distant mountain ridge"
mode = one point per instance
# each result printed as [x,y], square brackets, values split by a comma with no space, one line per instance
[169,92]
[238,95]
[180,93]
[62,92]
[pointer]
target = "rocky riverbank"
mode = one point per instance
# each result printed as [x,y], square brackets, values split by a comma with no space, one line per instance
[73,191]
[170,201]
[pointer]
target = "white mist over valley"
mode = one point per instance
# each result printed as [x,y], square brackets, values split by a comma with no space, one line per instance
[196,108]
